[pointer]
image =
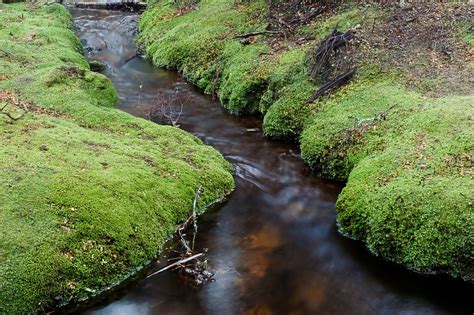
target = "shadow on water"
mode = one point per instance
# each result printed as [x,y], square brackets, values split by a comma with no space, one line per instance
[274,245]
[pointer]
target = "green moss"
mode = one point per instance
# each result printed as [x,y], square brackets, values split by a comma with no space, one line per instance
[200,45]
[466,32]
[88,193]
[411,202]
[286,117]
[334,139]
[347,18]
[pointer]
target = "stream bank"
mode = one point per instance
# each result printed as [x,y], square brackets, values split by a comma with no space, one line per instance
[88,193]
[409,175]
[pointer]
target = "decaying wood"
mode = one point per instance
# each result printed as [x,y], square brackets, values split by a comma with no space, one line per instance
[332,85]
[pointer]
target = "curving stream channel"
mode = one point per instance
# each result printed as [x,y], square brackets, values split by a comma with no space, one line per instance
[274,245]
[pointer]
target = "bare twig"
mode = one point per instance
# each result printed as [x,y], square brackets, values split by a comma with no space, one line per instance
[378,117]
[179,262]
[7,53]
[196,196]
[193,218]
[167,108]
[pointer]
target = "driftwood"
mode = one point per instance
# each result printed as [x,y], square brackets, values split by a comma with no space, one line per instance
[332,85]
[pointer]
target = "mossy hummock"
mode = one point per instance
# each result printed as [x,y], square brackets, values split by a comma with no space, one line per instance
[88,194]
[407,158]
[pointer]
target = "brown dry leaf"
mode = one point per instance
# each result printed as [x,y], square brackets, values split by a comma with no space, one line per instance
[71,284]
[68,255]
[29,38]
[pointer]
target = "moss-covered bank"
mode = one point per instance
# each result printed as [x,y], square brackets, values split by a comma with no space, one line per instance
[407,158]
[87,193]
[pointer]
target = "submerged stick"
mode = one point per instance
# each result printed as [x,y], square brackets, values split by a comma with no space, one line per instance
[179,262]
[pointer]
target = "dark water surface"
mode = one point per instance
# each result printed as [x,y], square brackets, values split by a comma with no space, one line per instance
[274,245]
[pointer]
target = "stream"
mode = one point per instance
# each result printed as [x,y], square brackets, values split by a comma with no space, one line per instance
[274,245]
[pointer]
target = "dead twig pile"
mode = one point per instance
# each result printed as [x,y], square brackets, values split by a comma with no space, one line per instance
[328,63]
[328,49]
[193,267]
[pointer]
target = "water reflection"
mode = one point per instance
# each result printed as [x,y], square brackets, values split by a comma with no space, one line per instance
[274,246]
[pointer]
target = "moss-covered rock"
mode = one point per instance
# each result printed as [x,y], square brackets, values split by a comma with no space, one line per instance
[88,193]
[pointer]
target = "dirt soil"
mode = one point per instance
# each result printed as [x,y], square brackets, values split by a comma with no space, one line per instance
[421,41]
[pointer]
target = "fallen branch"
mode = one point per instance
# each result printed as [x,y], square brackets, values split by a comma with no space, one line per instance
[196,272]
[180,262]
[251,34]
[332,85]
[9,54]
[378,117]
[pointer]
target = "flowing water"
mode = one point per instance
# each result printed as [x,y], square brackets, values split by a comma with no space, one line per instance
[274,245]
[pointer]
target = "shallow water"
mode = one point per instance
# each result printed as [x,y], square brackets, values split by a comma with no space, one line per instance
[274,245]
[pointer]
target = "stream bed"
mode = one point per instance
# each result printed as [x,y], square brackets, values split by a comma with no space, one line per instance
[274,245]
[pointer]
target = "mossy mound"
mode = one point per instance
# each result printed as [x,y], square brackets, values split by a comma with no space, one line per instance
[407,157]
[88,193]
[408,196]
